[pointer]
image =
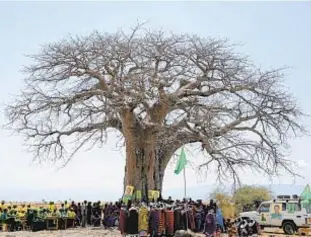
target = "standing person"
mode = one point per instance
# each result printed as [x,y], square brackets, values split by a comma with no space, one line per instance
[220,220]
[83,213]
[105,215]
[79,215]
[210,224]
[89,213]
[66,204]
[73,206]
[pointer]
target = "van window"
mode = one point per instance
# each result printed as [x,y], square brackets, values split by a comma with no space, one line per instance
[265,207]
[284,206]
[292,207]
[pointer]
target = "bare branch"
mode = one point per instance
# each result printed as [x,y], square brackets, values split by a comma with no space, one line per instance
[179,88]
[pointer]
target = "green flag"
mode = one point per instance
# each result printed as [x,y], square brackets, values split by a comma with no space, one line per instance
[306,194]
[182,161]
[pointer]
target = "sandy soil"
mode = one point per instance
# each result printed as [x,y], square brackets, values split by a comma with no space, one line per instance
[83,232]
[79,232]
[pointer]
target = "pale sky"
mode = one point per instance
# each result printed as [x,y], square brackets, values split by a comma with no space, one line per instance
[274,33]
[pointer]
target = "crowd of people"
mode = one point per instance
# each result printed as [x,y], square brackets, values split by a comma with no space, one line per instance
[165,217]
[142,218]
[83,214]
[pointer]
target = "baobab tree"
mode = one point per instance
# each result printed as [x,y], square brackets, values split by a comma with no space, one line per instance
[160,91]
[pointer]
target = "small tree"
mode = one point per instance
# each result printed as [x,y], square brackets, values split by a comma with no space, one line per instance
[160,91]
[220,195]
[246,197]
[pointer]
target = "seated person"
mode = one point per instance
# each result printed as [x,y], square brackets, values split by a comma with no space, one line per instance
[38,223]
[10,210]
[42,214]
[21,214]
[96,218]
[4,214]
[71,222]
[51,207]
[71,214]
[66,205]
[3,205]
[63,214]
[22,208]
[14,207]
[55,213]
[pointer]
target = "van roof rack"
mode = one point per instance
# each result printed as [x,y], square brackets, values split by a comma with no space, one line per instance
[288,197]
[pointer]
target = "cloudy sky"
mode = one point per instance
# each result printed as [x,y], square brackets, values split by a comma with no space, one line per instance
[274,34]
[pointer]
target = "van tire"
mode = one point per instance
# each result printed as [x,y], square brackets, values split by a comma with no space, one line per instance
[289,227]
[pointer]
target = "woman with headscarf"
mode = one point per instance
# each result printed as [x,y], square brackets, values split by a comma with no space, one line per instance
[210,224]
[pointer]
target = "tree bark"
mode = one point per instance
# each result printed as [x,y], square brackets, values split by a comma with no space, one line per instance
[144,159]
[140,168]
[140,155]
[158,175]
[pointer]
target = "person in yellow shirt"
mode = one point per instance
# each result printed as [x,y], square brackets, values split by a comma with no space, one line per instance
[66,204]
[14,207]
[55,213]
[21,214]
[3,205]
[51,207]
[22,208]
[71,214]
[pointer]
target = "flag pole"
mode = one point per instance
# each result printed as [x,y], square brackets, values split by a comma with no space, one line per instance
[185,196]
[185,183]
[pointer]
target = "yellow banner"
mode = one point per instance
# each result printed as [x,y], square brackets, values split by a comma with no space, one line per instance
[153,195]
[129,191]
[138,195]
[156,194]
[150,195]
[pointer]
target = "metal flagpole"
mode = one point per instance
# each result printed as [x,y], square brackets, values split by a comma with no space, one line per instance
[185,196]
[185,183]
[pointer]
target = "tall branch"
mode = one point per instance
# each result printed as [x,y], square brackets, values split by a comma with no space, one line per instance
[183,88]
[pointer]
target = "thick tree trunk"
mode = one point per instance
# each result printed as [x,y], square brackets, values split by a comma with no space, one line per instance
[161,162]
[140,155]
[159,169]
[144,166]
[140,168]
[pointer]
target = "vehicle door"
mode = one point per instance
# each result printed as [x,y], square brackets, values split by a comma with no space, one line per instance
[296,213]
[264,214]
[277,212]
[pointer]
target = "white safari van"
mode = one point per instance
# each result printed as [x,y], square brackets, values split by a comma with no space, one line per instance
[284,212]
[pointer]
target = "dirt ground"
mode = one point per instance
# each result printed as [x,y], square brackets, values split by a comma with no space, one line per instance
[88,232]
[64,233]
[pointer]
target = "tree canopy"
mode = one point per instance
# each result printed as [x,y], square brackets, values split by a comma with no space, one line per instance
[246,197]
[163,88]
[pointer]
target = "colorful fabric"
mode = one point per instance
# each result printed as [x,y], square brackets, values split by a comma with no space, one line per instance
[177,220]
[161,228]
[143,233]
[122,219]
[3,216]
[210,224]
[169,222]
[143,219]
[154,222]
[132,222]
[219,218]
[191,220]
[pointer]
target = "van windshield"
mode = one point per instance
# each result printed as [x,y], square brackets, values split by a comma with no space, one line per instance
[264,207]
